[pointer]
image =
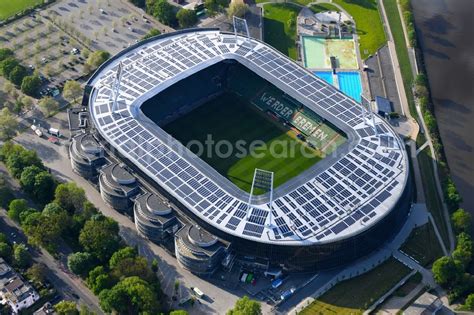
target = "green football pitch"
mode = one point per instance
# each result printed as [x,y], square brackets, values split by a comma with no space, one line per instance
[233,120]
[12,7]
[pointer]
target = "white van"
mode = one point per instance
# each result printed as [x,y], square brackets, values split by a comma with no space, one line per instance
[54,132]
[198,292]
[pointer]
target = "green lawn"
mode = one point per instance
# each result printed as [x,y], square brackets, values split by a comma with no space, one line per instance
[316,8]
[423,245]
[395,23]
[12,7]
[231,119]
[409,285]
[431,195]
[354,296]
[277,31]
[368,23]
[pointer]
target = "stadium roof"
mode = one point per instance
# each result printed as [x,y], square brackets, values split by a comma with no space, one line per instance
[344,194]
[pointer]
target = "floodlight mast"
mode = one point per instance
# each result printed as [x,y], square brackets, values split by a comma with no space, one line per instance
[264,180]
[370,113]
[116,87]
[236,21]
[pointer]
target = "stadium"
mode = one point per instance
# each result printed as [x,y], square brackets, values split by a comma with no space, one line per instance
[343,193]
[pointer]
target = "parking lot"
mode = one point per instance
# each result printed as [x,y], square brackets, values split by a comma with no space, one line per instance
[103,24]
[69,32]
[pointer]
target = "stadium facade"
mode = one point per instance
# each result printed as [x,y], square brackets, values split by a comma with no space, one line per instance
[336,211]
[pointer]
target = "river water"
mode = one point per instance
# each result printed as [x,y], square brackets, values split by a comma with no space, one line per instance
[446,31]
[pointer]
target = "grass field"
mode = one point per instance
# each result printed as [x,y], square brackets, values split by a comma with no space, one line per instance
[368,23]
[320,7]
[433,202]
[409,285]
[354,296]
[232,119]
[278,32]
[423,245]
[12,7]
[395,23]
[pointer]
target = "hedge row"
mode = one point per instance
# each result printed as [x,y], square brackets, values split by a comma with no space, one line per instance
[409,21]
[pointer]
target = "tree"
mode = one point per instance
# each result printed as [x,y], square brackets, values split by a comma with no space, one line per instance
[17,158]
[70,197]
[469,303]
[445,271]
[461,220]
[72,90]
[21,256]
[5,53]
[27,102]
[186,18]
[8,124]
[138,3]
[7,66]
[48,105]
[5,251]
[28,177]
[130,296]
[154,265]
[246,306]
[80,263]
[66,308]
[212,6]
[136,266]
[37,273]
[97,58]
[16,207]
[30,85]
[120,255]
[98,280]
[99,236]
[163,11]
[237,9]
[85,311]
[6,195]
[17,74]
[45,229]
[44,186]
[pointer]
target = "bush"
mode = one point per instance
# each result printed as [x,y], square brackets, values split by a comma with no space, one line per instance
[461,221]
[453,199]
[151,33]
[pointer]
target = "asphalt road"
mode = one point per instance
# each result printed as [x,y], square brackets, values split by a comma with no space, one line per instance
[68,285]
